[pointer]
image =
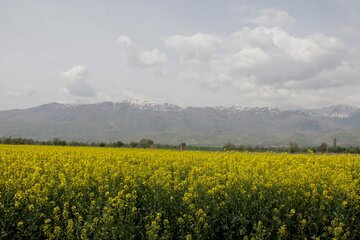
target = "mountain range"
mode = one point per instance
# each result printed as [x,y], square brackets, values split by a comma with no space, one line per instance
[131,120]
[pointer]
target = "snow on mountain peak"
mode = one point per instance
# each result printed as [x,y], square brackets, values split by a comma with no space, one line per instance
[256,110]
[336,111]
[149,105]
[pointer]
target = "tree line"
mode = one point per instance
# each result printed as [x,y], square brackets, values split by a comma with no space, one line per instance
[293,147]
[143,143]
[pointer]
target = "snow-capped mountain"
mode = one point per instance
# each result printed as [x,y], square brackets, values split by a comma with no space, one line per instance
[237,109]
[147,105]
[337,111]
[130,119]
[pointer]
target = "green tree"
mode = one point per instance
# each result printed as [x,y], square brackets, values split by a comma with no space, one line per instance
[229,146]
[145,143]
[182,146]
[119,144]
[323,147]
[133,144]
[293,147]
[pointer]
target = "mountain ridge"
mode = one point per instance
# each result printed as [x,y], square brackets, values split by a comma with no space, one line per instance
[144,103]
[131,119]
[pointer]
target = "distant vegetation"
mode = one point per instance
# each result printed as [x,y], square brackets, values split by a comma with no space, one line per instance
[293,147]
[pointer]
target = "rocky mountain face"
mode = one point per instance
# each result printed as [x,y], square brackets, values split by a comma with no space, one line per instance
[166,123]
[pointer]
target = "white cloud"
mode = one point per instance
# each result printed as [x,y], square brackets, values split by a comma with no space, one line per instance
[267,17]
[76,82]
[253,57]
[13,94]
[125,41]
[249,56]
[344,74]
[152,60]
[197,47]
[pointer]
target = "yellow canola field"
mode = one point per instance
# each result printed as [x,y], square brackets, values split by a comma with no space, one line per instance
[105,193]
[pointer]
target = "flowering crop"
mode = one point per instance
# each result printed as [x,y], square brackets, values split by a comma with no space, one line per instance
[104,193]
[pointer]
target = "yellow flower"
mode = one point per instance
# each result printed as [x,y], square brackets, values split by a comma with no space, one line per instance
[292,212]
[20,225]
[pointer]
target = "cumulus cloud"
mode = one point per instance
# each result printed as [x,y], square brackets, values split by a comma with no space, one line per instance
[151,60]
[125,41]
[258,57]
[195,47]
[76,82]
[344,74]
[266,17]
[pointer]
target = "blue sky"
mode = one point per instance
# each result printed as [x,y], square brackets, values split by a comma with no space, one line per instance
[287,54]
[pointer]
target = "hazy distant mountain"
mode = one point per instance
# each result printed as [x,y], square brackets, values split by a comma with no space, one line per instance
[165,123]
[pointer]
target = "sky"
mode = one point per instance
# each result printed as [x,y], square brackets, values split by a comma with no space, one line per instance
[265,53]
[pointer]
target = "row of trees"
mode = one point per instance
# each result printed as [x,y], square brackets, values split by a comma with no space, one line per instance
[252,148]
[323,148]
[293,147]
[143,143]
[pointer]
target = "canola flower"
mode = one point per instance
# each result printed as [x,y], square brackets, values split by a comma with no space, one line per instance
[97,193]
